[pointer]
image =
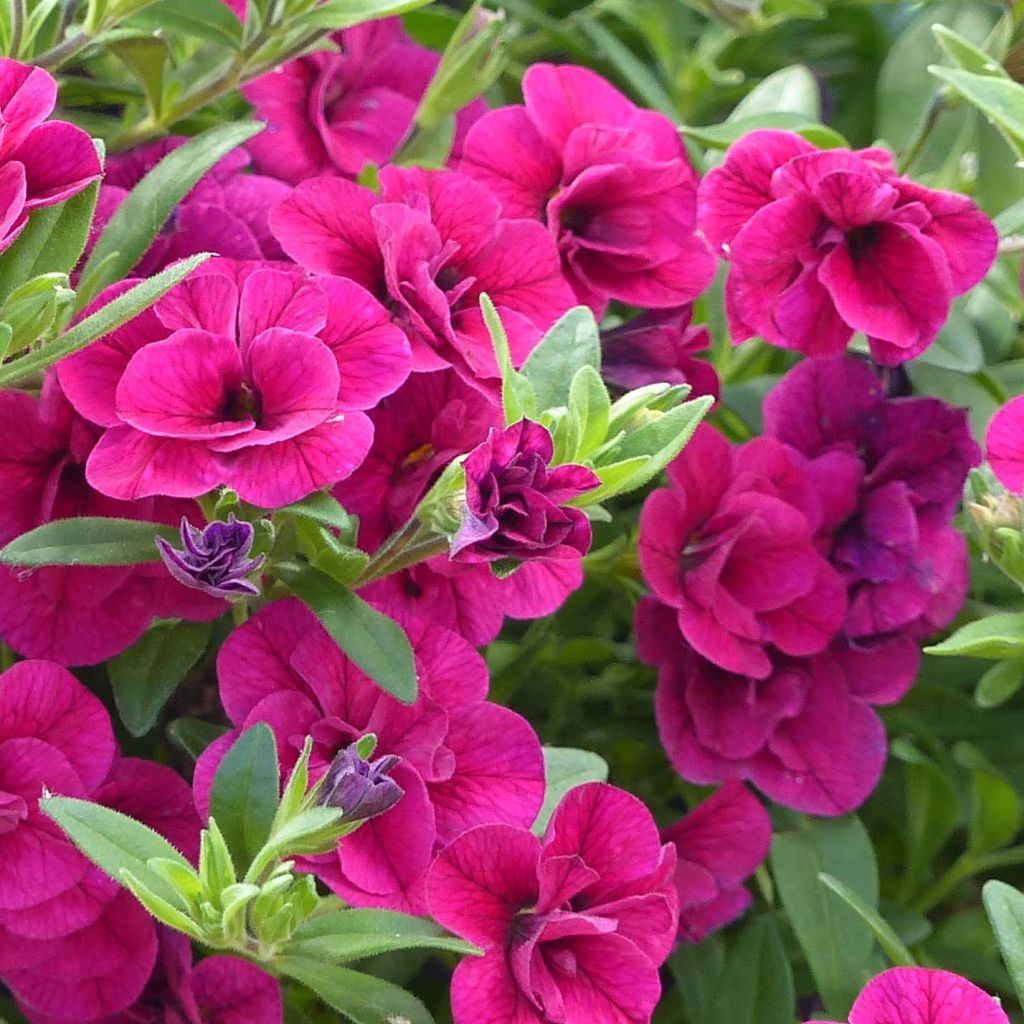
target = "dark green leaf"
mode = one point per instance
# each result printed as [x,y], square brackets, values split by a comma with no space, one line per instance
[88,540]
[1001,682]
[571,343]
[1001,100]
[194,735]
[325,509]
[212,20]
[336,14]
[890,942]
[756,985]
[721,136]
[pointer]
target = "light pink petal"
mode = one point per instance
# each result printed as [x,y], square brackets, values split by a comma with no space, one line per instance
[202,302]
[60,160]
[27,97]
[69,911]
[271,298]
[921,996]
[1004,444]
[806,316]
[484,991]
[12,202]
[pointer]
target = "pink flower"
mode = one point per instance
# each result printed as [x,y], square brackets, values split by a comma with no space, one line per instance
[428,247]
[611,181]
[76,615]
[658,348]
[226,211]
[41,162]
[827,243]
[430,420]
[918,995]
[718,845]
[574,926]
[331,113]
[905,565]
[463,761]
[730,546]
[243,375]
[1004,445]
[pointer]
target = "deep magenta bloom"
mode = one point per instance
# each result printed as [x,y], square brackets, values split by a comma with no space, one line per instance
[919,995]
[243,375]
[41,162]
[225,212]
[76,615]
[823,244]
[730,545]
[718,846]
[430,420]
[1004,445]
[905,565]
[574,926]
[214,559]
[427,247]
[658,348]
[463,761]
[611,181]
[362,789]
[515,504]
[331,113]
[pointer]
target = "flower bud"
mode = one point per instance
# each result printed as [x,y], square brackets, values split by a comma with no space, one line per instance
[214,559]
[362,789]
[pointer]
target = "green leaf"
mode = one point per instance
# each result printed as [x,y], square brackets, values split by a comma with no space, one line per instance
[1001,100]
[890,942]
[1000,683]
[996,810]
[590,406]
[165,912]
[517,396]
[88,540]
[145,57]
[193,735]
[211,20]
[566,768]
[361,998]
[793,89]
[721,136]
[115,843]
[343,936]
[997,636]
[145,675]
[146,208]
[1005,908]
[337,14]
[377,644]
[323,508]
[957,346]
[965,55]
[756,984]
[103,321]
[835,940]
[244,793]
[573,342]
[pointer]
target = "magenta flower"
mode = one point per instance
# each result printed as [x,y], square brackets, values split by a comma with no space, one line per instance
[1004,445]
[331,113]
[214,559]
[658,348]
[823,244]
[515,503]
[718,845]
[918,995]
[611,181]
[225,212]
[463,761]
[243,375]
[574,926]
[905,565]
[428,247]
[430,420]
[731,547]
[41,162]
[76,615]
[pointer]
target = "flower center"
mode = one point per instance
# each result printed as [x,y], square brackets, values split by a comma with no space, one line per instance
[243,404]
[861,240]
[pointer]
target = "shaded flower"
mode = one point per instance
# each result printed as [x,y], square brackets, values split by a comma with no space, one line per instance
[214,559]
[515,503]
[823,244]
[41,162]
[573,927]
[1004,445]
[464,761]
[428,247]
[332,112]
[611,181]
[920,995]
[362,789]
[243,375]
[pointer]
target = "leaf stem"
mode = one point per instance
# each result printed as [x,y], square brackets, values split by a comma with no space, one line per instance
[920,140]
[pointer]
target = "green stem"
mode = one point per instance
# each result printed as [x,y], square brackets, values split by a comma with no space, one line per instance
[57,56]
[920,140]
[413,554]
[966,866]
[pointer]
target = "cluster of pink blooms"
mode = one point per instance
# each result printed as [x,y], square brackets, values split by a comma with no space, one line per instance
[338,343]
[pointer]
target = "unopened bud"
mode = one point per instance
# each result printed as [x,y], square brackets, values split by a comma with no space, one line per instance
[362,789]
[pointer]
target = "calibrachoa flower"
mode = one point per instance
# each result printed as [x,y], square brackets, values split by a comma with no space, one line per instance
[243,375]
[1004,445]
[41,162]
[574,927]
[214,559]
[823,244]
[427,247]
[515,503]
[75,614]
[463,761]
[658,348]
[730,545]
[430,420]
[718,845]
[226,212]
[611,181]
[334,112]
[905,565]
[918,995]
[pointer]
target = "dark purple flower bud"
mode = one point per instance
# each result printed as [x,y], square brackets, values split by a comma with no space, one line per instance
[215,559]
[362,789]
[658,348]
[515,501]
